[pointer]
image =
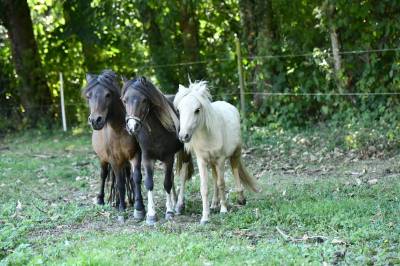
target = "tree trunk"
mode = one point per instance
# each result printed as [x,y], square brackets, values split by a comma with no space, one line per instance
[335,49]
[189,26]
[34,94]
[330,10]
[167,76]
[259,35]
[335,43]
[78,15]
[249,23]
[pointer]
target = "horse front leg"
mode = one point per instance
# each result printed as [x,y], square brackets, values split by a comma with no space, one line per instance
[204,190]
[148,164]
[220,167]
[139,211]
[103,175]
[215,199]
[168,183]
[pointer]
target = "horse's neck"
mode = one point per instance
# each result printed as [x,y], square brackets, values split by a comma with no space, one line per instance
[208,134]
[116,119]
[154,126]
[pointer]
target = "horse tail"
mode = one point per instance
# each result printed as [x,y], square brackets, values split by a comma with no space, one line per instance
[184,162]
[245,177]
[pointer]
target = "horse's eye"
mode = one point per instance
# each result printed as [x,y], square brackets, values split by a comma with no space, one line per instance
[197,111]
[108,95]
[87,96]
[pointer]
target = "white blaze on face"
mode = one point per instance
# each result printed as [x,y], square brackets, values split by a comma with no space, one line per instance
[131,124]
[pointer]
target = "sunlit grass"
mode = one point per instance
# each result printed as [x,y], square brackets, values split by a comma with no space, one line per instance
[48,181]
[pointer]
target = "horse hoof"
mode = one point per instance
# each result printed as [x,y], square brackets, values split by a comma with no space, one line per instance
[169,215]
[241,202]
[151,220]
[139,215]
[100,200]
[223,210]
[179,209]
[203,222]
[121,219]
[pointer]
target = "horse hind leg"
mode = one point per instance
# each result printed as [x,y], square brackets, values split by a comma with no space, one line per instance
[184,166]
[121,189]
[215,199]
[103,175]
[180,204]
[120,176]
[235,160]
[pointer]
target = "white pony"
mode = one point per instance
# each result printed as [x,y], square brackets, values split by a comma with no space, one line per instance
[212,131]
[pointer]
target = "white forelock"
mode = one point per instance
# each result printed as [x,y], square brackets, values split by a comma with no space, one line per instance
[199,90]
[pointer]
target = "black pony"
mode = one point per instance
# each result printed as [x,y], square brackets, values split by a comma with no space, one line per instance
[154,121]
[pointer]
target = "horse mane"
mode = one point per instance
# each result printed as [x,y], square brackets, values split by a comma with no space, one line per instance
[107,78]
[200,91]
[163,109]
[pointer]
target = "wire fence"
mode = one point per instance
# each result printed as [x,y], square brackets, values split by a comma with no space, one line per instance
[272,94]
[308,54]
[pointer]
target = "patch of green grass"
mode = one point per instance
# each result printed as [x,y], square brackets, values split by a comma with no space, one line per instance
[337,208]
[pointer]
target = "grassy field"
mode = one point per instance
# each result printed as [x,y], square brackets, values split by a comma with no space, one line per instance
[328,196]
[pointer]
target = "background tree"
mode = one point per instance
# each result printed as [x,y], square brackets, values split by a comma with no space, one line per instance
[189,29]
[34,92]
[160,43]
[293,47]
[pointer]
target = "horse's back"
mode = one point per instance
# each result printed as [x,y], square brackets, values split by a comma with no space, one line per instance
[229,123]
[229,112]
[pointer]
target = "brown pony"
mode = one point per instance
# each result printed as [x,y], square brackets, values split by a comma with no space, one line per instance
[111,142]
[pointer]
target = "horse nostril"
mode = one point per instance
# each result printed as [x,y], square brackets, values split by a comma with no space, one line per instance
[98,120]
[184,137]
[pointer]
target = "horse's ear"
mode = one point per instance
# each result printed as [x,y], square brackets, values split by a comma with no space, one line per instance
[124,79]
[142,80]
[90,77]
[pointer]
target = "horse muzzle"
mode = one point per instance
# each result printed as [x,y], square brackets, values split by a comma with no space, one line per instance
[185,137]
[133,125]
[97,122]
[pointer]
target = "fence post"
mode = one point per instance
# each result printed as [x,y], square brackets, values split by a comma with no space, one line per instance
[64,119]
[241,78]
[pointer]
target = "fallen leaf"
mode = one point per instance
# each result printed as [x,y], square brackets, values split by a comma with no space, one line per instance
[19,206]
[339,242]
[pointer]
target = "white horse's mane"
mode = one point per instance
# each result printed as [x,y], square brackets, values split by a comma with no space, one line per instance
[200,91]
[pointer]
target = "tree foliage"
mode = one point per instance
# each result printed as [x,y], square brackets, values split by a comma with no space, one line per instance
[286,46]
